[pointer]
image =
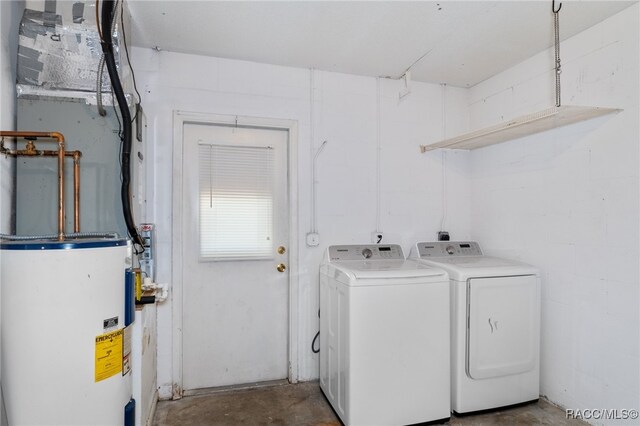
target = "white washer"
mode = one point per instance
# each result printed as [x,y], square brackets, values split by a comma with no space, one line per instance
[495,326]
[384,336]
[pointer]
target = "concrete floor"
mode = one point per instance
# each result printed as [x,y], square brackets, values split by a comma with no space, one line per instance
[304,404]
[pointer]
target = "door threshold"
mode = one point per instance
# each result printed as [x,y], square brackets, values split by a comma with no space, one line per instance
[252,385]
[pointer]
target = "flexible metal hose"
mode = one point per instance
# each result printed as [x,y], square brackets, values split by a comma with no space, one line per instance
[55,236]
[101,109]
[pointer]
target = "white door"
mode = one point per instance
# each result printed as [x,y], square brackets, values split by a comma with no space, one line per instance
[235,255]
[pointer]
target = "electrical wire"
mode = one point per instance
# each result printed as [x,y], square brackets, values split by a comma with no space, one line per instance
[101,109]
[138,248]
[98,19]
[126,51]
[109,8]
[115,106]
[378,116]
[317,336]
[115,112]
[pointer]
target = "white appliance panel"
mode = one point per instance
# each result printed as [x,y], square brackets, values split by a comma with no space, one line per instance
[501,339]
[464,260]
[396,339]
[384,340]
[144,363]
[372,252]
[56,304]
[333,345]
[489,369]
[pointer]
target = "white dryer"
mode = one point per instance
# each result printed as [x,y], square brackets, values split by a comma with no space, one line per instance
[495,326]
[384,336]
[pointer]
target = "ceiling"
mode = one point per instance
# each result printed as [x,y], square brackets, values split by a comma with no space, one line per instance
[459,43]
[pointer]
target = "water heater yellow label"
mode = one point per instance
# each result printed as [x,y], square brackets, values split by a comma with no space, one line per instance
[108,354]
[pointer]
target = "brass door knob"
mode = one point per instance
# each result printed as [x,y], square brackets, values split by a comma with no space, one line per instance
[281,250]
[281,267]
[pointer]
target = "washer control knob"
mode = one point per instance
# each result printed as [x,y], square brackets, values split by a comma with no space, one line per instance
[367,253]
[451,249]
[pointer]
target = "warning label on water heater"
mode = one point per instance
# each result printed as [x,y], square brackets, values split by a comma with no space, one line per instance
[108,354]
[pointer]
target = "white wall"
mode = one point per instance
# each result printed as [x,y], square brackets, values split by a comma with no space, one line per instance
[567,201]
[345,105]
[10,15]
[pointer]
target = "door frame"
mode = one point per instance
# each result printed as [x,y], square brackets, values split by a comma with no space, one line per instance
[180,118]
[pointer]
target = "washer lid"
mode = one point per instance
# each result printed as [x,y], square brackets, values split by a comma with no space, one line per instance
[362,264]
[390,269]
[350,271]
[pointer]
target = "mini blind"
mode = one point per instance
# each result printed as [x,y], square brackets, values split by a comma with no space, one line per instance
[236,202]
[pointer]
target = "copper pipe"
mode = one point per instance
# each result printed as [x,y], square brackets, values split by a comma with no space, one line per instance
[76,191]
[27,134]
[61,210]
[31,152]
[36,152]
[76,177]
[60,139]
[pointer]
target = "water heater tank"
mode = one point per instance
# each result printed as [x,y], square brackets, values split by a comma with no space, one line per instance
[65,334]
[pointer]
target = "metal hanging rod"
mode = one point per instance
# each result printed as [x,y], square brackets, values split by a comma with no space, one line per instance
[556,28]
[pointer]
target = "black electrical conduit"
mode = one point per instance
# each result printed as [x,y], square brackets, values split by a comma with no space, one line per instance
[108,12]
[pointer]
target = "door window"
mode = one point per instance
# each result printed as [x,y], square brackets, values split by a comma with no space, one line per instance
[236,192]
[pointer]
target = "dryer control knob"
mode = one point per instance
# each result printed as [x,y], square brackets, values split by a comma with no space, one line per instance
[451,249]
[367,253]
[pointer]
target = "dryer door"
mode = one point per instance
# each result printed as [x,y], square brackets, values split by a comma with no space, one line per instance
[503,326]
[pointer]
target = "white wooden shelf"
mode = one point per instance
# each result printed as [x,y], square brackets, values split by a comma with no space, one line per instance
[525,125]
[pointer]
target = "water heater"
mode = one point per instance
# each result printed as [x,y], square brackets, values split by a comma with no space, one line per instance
[66,310]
